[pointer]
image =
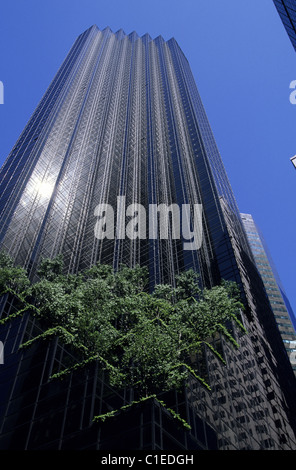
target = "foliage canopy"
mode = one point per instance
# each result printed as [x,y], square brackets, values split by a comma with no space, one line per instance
[145,340]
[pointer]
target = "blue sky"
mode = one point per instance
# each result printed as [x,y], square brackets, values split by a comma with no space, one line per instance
[242,61]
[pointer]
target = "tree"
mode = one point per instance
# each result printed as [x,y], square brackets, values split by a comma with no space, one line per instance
[145,340]
[13,278]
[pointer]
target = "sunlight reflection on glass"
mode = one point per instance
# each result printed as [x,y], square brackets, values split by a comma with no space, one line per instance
[45,189]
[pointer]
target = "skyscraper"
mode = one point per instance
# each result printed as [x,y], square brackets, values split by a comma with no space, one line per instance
[274,288]
[287,12]
[122,128]
[121,118]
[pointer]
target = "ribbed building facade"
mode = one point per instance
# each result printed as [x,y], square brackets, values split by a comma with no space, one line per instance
[121,118]
[122,124]
[287,12]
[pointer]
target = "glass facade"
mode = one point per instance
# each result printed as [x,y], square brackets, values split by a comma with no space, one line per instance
[123,118]
[287,12]
[273,286]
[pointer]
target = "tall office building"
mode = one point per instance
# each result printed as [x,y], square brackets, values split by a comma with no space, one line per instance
[287,12]
[276,293]
[122,127]
[122,118]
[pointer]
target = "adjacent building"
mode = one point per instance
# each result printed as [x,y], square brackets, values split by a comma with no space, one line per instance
[287,12]
[280,304]
[120,134]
